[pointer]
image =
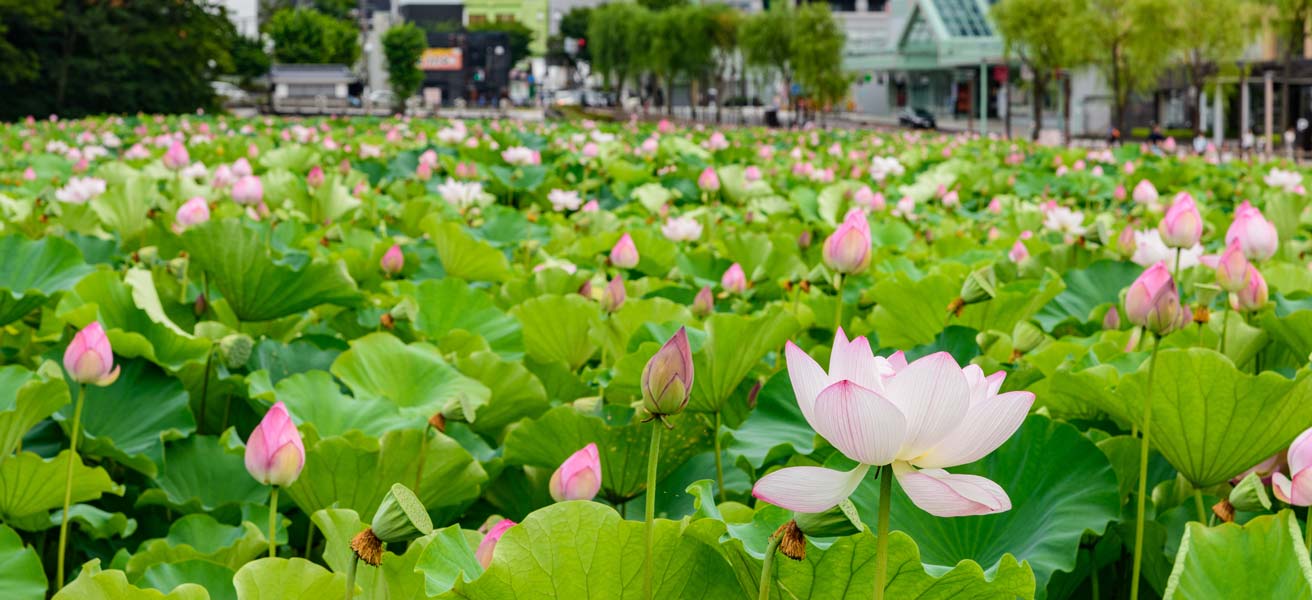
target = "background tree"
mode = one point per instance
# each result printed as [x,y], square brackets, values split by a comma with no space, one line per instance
[766,39]
[1290,20]
[574,24]
[724,41]
[1044,35]
[23,63]
[403,45]
[618,48]
[521,37]
[248,58]
[1131,42]
[817,54]
[1216,33]
[306,36]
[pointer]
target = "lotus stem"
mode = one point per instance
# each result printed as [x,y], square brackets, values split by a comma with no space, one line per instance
[1198,503]
[68,484]
[1094,592]
[273,522]
[423,454]
[309,540]
[1307,533]
[205,390]
[719,464]
[881,552]
[767,566]
[652,455]
[1225,327]
[350,576]
[1143,471]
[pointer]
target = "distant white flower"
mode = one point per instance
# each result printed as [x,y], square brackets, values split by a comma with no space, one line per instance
[461,194]
[883,166]
[1284,180]
[79,190]
[1065,221]
[195,170]
[563,200]
[452,135]
[682,229]
[521,156]
[1150,249]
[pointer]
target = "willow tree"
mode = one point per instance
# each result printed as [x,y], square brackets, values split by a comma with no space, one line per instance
[1045,36]
[1133,42]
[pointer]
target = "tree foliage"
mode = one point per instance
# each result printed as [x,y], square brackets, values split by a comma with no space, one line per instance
[403,45]
[1131,42]
[614,33]
[817,54]
[766,40]
[307,36]
[1045,35]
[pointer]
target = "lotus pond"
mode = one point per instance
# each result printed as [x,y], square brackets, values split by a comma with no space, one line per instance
[264,358]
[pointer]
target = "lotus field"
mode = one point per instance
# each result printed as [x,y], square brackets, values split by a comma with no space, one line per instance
[276,359]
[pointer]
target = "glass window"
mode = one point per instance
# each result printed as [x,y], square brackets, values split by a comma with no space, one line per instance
[963,18]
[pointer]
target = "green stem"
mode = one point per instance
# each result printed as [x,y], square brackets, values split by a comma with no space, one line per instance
[838,313]
[273,522]
[881,552]
[350,576]
[309,540]
[68,483]
[1225,327]
[1198,503]
[1175,274]
[766,567]
[719,464]
[205,391]
[423,453]
[1307,533]
[1143,471]
[1093,575]
[652,455]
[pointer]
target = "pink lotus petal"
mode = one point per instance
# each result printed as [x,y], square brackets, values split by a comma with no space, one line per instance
[807,377]
[854,361]
[987,425]
[864,426]
[808,489]
[943,494]
[933,395]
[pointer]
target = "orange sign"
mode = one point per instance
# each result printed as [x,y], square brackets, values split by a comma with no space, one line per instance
[441,59]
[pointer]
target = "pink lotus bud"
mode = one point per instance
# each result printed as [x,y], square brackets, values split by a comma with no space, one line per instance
[667,378]
[1096,171]
[864,196]
[1118,194]
[940,191]
[89,357]
[344,167]
[176,157]
[847,250]
[1129,168]
[1145,192]
[192,212]
[1153,302]
[995,206]
[252,151]
[734,280]
[29,174]
[579,477]
[590,206]
[1232,268]
[1126,243]
[613,295]
[1256,235]
[1111,320]
[429,157]
[223,177]
[752,173]
[1253,296]
[951,199]
[994,234]
[804,239]
[315,178]
[360,189]
[489,543]
[241,168]
[82,165]
[703,304]
[708,181]
[625,254]
[248,191]
[1018,252]
[665,126]
[424,172]
[1182,226]
[590,150]
[275,454]
[393,260]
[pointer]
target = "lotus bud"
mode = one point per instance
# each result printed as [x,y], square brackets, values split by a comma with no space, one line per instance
[1112,320]
[393,260]
[1232,268]
[1253,296]
[704,303]
[1182,226]
[839,521]
[235,349]
[29,174]
[192,212]
[316,177]
[1145,192]
[176,158]
[489,544]
[613,295]
[667,378]
[1256,235]
[708,181]
[248,191]
[579,477]
[734,280]
[848,249]
[624,254]
[1153,302]
[1026,336]
[1126,243]
[89,357]
[1018,252]
[275,454]
[804,240]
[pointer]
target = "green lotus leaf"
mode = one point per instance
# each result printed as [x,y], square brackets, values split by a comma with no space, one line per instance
[27,398]
[204,473]
[215,578]
[556,328]
[94,584]
[912,312]
[30,484]
[23,577]
[126,315]
[287,579]
[449,558]
[1073,489]
[235,256]
[774,429]
[735,344]
[371,367]
[34,271]
[1264,558]
[1087,289]
[449,304]
[315,397]
[516,392]
[396,577]
[462,255]
[96,523]
[200,537]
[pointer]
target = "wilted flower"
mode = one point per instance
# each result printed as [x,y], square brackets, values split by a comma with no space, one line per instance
[579,477]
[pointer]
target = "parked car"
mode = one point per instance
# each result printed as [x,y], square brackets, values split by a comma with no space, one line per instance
[567,98]
[230,93]
[382,98]
[597,99]
[917,118]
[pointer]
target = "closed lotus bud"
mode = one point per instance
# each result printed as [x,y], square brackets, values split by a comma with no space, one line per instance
[248,191]
[89,357]
[1018,252]
[613,295]
[625,254]
[1250,494]
[1232,268]
[176,158]
[1182,226]
[1112,320]
[393,260]
[848,249]
[1153,302]
[734,280]
[579,477]
[401,517]
[315,178]
[1145,192]
[839,521]
[1255,234]
[192,212]
[1126,243]
[704,303]
[275,454]
[667,378]
[488,546]
[235,349]
[804,240]
[1026,336]
[708,181]
[1253,296]
[986,340]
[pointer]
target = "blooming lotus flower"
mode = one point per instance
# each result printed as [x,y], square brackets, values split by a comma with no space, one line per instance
[1118,194]
[591,150]
[489,543]
[1182,226]
[1252,296]
[1288,181]
[89,357]
[590,206]
[1018,252]
[708,181]
[1065,221]
[223,177]
[1256,235]
[521,156]
[1232,268]
[918,418]
[563,200]
[192,212]
[176,157]
[995,206]
[883,166]
[752,173]
[242,167]
[315,177]
[625,253]
[393,260]
[734,280]
[1153,301]
[1149,249]
[462,195]
[80,190]
[848,249]
[1298,490]
[1145,193]
[667,378]
[578,478]
[703,304]
[682,229]
[275,454]
[424,172]
[248,191]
